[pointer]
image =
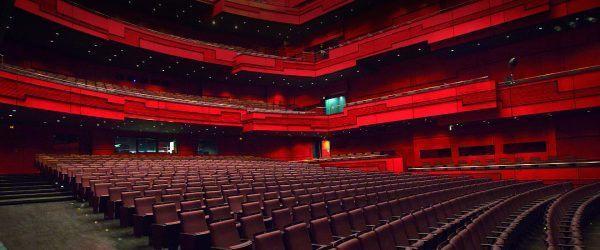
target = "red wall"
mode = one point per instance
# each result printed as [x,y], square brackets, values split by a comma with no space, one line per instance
[559,51]
[566,135]
[20,144]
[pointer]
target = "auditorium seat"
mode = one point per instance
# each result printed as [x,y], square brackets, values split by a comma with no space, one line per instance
[297,237]
[100,197]
[192,205]
[224,235]
[357,220]
[368,241]
[318,210]
[334,206]
[252,225]
[352,244]
[269,241]
[127,210]
[143,217]
[340,225]
[301,214]
[320,232]
[194,231]
[114,202]
[250,208]
[165,230]
[282,218]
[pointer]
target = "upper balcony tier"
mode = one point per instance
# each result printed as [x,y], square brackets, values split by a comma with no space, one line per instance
[282,11]
[553,92]
[431,30]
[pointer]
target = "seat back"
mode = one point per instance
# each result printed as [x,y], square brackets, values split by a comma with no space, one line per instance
[235,203]
[165,213]
[220,213]
[368,241]
[320,231]
[340,225]
[318,210]
[296,237]
[385,237]
[252,225]
[269,241]
[282,218]
[250,208]
[143,206]
[224,233]
[270,205]
[128,198]
[101,189]
[301,214]
[114,193]
[191,205]
[193,196]
[353,244]
[193,222]
[357,220]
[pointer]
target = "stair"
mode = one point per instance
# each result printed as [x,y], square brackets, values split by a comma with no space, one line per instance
[31,188]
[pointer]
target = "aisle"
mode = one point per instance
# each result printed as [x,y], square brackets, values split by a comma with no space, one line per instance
[63,225]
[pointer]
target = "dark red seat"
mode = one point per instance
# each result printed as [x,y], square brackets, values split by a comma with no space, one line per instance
[282,218]
[320,232]
[334,206]
[192,205]
[318,210]
[165,230]
[224,235]
[100,198]
[296,237]
[340,225]
[194,231]
[269,241]
[114,202]
[252,225]
[250,208]
[352,244]
[301,214]
[368,241]
[143,217]
[220,213]
[127,209]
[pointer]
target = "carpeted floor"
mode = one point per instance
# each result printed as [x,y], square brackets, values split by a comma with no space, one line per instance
[63,225]
[72,225]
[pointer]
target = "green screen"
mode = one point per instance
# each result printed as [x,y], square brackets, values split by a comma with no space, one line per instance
[335,105]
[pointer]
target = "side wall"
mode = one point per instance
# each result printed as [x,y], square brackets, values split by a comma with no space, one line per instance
[566,136]
[20,144]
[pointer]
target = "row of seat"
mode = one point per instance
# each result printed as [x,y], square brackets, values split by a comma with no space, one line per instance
[492,228]
[289,194]
[225,203]
[427,227]
[326,227]
[566,216]
[232,206]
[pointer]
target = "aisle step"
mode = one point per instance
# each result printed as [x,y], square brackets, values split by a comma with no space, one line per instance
[33,195]
[35,200]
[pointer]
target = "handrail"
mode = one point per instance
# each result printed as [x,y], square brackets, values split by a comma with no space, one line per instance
[551,75]
[391,27]
[417,91]
[240,50]
[145,95]
[504,166]
[252,52]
